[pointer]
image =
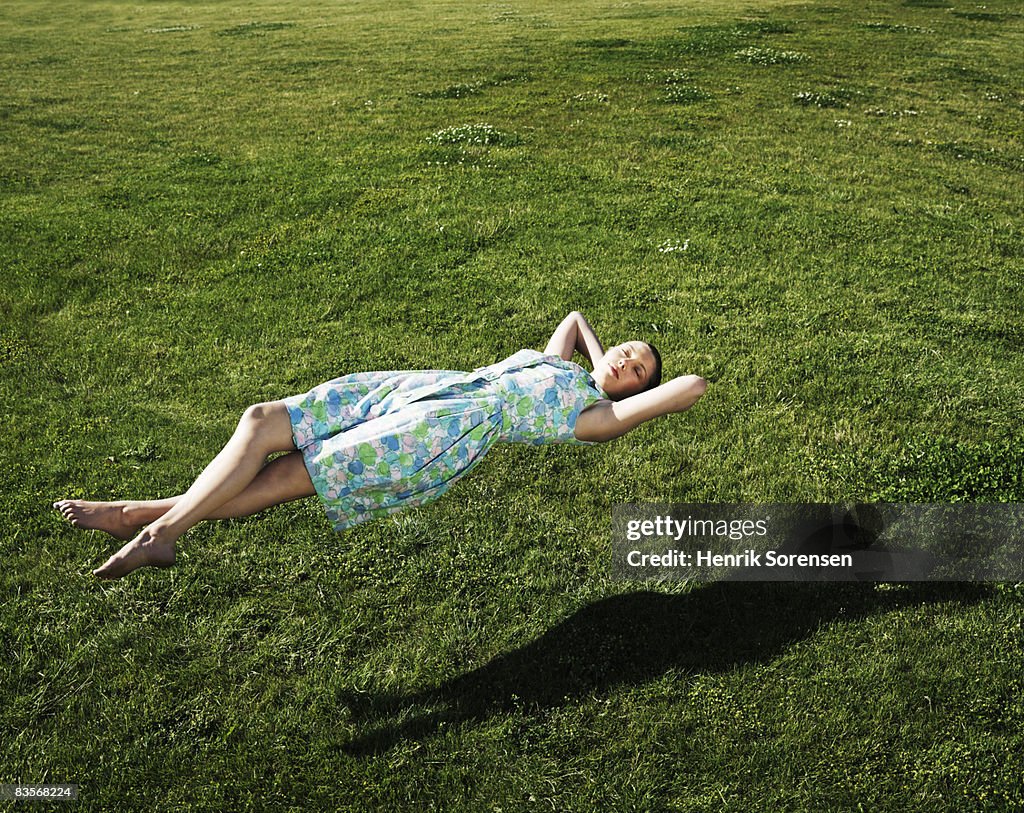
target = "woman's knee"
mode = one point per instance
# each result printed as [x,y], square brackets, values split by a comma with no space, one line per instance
[269,421]
[283,478]
[294,475]
[258,413]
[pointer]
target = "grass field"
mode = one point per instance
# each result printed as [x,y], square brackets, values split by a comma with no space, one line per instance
[816,207]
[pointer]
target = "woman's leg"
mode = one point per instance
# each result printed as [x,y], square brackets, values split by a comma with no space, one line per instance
[263,429]
[282,480]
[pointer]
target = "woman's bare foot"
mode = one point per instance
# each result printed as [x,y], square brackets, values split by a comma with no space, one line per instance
[149,548]
[99,516]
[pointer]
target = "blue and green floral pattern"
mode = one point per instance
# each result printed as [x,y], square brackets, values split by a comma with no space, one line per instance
[375,443]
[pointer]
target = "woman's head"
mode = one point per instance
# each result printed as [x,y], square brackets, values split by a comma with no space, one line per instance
[628,369]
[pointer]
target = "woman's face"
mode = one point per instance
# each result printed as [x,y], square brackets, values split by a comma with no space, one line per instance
[625,369]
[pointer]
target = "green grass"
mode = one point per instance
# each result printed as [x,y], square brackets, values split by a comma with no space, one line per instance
[203,206]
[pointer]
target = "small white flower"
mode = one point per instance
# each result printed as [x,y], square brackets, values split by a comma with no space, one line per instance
[589,96]
[671,245]
[770,56]
[483,134]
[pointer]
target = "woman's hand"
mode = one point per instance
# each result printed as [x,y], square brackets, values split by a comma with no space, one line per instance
[572,335]
[683,392]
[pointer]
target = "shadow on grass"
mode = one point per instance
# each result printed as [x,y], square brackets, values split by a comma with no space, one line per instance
[633,638]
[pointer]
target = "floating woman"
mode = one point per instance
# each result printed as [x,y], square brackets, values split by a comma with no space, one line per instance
[370,444]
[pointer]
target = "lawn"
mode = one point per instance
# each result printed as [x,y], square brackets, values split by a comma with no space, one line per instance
[816,207]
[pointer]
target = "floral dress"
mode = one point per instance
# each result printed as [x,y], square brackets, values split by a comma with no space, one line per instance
[375,443]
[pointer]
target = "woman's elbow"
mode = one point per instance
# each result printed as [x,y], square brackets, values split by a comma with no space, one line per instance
[602,435]
[693,387]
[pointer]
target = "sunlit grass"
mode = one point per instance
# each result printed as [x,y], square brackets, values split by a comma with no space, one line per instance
[205,206]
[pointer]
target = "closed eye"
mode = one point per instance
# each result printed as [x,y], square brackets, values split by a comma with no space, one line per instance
[640,369]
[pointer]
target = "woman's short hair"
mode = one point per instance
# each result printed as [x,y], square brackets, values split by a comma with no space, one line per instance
[655,378]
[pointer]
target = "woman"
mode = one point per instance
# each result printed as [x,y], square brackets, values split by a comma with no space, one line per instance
[370,444]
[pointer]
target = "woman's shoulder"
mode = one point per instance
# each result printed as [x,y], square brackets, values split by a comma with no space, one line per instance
[578,372]
[568,373]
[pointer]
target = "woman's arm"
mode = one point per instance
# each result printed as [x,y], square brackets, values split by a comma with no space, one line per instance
[606,420]
[574,334]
